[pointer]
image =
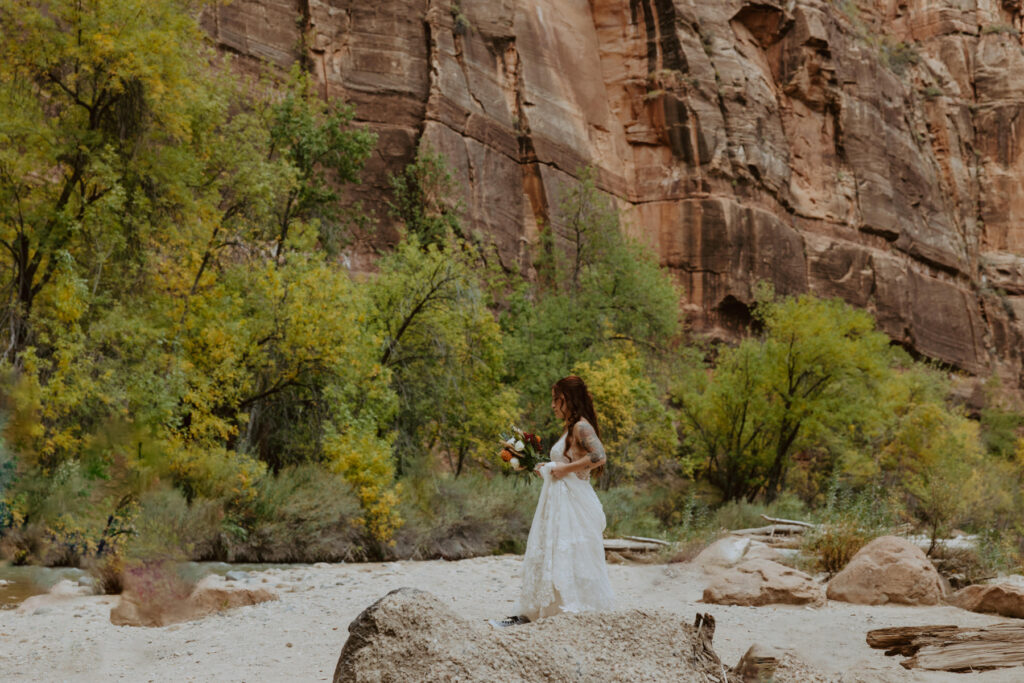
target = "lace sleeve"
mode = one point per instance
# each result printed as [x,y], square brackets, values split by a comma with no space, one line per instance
[586,437]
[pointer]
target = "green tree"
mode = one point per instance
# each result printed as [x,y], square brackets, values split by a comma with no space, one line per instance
[598,292]
[163,244]
[319,143]
[636,426]
[424,198]
[810,381]
[95,99]
[936,461]
[443,348]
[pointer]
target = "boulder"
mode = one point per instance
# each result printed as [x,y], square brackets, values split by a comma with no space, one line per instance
[411,635]
[763,582]
[1004,599]
[889,569]
[62,591]
[168,601]
[723,553]
[760,551]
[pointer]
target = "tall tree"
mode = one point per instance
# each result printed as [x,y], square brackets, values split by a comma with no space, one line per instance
[814,375]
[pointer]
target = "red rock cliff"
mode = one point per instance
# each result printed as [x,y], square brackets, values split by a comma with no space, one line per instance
[868,149]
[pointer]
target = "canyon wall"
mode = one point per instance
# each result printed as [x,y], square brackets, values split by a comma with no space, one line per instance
[867,149]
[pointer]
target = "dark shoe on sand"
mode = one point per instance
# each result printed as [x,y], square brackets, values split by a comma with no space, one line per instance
[508,621]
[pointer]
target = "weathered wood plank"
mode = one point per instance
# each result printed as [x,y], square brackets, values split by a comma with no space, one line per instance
[950,648]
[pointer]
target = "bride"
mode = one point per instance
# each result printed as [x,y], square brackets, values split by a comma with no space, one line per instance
[563,568]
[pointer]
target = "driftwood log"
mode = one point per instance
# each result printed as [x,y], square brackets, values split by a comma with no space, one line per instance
[790,522]
[629,545]
[950,648]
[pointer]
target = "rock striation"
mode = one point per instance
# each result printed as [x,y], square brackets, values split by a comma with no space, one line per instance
[865,149]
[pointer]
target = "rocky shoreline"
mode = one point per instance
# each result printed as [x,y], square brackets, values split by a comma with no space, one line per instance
[300,635]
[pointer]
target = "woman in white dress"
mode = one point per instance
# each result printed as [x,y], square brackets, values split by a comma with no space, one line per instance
[564,568]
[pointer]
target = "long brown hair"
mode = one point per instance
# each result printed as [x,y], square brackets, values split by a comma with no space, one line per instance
[577,404]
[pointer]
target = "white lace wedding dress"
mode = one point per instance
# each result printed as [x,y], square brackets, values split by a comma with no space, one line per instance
[564,568]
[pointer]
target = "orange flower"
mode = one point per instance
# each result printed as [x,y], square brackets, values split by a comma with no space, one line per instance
[507,455]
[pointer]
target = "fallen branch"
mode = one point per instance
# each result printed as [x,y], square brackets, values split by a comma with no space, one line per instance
[622,544]
[644,539]
[770,530]
[794,522]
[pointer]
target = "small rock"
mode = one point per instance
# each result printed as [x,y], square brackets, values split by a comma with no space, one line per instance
[236,575]
[1004,599]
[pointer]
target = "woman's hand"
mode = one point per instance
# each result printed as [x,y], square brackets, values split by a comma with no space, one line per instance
[558,470]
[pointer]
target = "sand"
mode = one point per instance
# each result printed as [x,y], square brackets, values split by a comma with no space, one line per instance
[299,636]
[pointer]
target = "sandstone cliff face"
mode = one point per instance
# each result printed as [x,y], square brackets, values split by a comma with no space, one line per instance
[868,149]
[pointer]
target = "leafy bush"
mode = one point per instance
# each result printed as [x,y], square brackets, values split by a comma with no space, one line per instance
[108,571]
[629,512]
[811,382]
[301,514]
[170,527]
[636,427]
[850,520]
[743,515]
[833,545]
[454,518]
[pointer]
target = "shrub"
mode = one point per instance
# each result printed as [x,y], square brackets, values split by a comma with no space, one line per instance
[630,512]
[169,527]
[936,463]
[851,520]
[302,514]
[108,570]
[454,518]
[743,515]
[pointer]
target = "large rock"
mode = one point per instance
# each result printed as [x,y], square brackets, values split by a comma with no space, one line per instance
[410,635]
[763,582]
[1004,599]
[164,600]
[889,569]
[723,553]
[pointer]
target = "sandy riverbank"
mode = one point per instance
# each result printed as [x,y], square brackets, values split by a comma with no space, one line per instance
[299,637]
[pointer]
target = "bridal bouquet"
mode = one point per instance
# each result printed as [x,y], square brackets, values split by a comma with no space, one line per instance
[521,450]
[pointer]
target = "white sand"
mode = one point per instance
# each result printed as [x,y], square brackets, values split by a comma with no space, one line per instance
[299,637]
